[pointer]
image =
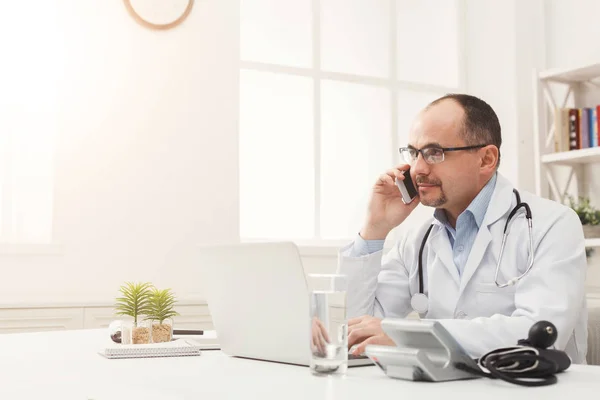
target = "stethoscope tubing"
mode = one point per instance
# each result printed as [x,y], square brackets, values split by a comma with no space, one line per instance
[513,212]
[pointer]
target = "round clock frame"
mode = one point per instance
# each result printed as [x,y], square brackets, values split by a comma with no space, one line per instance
[152,25]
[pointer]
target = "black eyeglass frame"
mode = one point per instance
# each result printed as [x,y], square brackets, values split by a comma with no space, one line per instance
[443,149]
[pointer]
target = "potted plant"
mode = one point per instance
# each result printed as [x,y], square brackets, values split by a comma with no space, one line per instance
[588,215]
[161,312]
[135,303]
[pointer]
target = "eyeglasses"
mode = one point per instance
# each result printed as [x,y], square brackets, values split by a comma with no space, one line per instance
[433,154]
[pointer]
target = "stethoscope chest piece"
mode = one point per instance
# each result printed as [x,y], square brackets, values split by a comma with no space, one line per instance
[419,303]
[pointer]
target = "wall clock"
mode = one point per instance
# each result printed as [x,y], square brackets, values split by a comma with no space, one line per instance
[159,14]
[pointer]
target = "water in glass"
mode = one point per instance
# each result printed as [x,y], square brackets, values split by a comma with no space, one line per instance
[328,324]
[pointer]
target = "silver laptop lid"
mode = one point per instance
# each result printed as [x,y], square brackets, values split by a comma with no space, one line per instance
[258,299]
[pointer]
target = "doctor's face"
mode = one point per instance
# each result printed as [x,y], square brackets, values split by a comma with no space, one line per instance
[452,182]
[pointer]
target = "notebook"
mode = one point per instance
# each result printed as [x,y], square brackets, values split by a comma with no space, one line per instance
[175,348]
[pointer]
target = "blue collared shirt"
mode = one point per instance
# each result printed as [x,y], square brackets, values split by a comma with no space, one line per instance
[461,238]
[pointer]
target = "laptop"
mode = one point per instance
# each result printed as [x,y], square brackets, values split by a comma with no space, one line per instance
[257,295]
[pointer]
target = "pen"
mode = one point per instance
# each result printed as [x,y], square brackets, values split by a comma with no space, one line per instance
[187,332]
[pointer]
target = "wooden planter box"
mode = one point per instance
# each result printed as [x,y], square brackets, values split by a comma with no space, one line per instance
[591,231]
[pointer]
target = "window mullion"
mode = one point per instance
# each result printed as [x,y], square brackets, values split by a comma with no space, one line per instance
[316,65]
[462,45]
[394,78]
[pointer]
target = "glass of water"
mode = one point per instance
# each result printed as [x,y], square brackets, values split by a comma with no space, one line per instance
[328,324]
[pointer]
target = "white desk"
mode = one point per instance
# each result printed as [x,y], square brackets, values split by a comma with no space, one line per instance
[65,365]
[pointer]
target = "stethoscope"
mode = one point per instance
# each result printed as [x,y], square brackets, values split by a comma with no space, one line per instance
[420,301]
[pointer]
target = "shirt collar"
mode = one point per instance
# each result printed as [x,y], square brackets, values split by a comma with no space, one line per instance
[478,206]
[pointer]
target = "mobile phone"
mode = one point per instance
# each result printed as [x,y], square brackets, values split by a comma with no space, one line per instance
[407,188]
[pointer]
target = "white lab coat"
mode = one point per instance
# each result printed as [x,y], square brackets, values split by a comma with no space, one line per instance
[479,315]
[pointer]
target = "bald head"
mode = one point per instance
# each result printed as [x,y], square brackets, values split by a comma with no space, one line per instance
[446,116]
[480,124]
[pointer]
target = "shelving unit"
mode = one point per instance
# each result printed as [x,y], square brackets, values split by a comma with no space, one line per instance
[592,242]
[583,73]
[573,157]
[570,164]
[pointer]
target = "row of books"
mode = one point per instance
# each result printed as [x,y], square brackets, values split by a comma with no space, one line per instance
[576,128]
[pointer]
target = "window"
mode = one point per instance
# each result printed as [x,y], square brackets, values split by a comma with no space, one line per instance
[28,121]
[328,89]
[26,178]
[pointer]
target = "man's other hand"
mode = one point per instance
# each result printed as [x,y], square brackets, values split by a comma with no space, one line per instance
[366,330]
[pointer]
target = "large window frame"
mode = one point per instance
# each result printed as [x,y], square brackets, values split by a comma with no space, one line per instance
[318,245]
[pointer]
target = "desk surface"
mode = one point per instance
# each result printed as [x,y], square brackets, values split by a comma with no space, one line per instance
[66,365]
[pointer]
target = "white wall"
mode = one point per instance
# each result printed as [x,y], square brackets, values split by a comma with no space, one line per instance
[571,32]
[504,42]
[146,156]
[490,56]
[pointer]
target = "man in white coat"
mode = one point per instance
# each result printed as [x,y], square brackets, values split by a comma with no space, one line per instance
[472,203]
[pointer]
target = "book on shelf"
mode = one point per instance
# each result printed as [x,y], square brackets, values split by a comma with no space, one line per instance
[576,128]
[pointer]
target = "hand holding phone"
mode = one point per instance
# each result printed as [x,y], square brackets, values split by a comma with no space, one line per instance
[391,202]
[407,188]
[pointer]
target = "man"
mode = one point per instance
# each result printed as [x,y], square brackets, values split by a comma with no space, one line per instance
[472,203]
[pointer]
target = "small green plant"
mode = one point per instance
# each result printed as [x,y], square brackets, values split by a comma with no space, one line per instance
[588,215]
[162,304]
[135,300]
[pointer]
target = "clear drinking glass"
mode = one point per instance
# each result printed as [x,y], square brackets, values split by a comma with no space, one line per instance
[328,324]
